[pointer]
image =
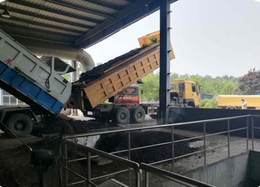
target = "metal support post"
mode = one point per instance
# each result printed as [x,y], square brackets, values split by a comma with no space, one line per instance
[228,138]
[247,132]
[89,169]
[74,74]
[1,97]
[253,133]
[138,178]
[172,131]
[164,60]
[62,161]
[66,163]
[74,77]
[129,157]
[147,179]
[204,139]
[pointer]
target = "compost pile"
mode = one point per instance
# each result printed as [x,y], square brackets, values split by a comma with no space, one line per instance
[72,126]
[249,83]
[116,142]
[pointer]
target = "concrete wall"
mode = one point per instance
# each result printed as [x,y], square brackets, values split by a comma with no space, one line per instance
[254,169]
[225,173]
[229,172]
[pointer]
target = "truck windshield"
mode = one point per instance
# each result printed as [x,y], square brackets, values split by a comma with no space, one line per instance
[129,91]
[175,87]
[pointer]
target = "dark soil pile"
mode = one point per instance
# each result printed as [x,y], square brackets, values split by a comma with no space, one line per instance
[16,169]
[71,126]
[98,71]
[118,142]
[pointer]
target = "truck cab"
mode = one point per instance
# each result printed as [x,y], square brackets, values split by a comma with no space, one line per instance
[128,95]
[185,93]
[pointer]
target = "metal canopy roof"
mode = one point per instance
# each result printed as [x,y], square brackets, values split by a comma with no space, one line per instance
[78,23]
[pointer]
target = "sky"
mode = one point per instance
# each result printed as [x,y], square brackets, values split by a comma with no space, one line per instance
[209,37]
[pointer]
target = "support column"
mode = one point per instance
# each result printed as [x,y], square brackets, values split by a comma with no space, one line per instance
[74,112]
[164,60]
[1,97]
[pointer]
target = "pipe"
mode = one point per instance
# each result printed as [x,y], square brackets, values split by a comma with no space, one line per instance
[41,48]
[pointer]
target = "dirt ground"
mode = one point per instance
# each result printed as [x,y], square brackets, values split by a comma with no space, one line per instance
[15,167]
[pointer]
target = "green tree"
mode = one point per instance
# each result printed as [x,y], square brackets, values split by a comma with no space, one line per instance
[150,87]
[208,103]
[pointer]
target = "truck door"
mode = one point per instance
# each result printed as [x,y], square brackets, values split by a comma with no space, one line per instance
[181,92]
[195,94]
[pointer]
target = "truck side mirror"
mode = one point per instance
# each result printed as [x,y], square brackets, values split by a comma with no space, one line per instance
[142,91]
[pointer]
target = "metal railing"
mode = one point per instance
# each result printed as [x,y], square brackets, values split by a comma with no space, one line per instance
[171,128]
[130,164]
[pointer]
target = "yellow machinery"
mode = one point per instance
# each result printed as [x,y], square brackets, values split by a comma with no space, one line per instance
[234,101]
[185,93]
[147,39]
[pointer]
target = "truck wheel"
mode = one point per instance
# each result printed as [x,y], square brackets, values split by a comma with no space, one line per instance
[122,115]
[191,104]
[137,115]
[19,124]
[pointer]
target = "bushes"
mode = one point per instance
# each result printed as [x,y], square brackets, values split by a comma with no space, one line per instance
[208,103]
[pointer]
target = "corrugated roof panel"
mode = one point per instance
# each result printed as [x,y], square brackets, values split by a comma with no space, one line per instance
[43,21]
[45,29]
[99,8]
[72,10]
[68,18]
[12,22]
[118,2]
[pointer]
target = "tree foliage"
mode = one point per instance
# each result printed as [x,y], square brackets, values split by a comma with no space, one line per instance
[150,87]
[249,84]
[208,103]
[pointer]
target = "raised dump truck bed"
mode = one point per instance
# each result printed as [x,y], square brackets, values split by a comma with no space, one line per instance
[30,79]
[105,81]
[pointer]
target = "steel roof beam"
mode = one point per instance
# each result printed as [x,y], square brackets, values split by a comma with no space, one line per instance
[52,10]
[28,13]
[123,19]
[68,5]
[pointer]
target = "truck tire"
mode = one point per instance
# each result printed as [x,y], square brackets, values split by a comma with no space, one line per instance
[137,115]
[191,104]
[121,115]
[19,124]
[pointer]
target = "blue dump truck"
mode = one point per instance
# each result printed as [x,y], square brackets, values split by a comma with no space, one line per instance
[37,82]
